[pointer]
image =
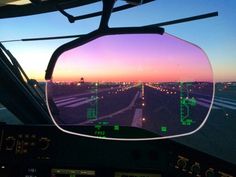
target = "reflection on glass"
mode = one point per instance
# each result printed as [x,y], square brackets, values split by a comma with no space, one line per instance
[155,83]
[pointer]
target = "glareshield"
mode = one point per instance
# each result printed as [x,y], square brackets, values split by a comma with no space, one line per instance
[131,86]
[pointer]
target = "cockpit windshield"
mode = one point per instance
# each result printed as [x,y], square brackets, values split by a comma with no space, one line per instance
[213,77]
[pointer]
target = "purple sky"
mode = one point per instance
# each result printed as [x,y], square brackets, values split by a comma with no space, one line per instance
[147,57]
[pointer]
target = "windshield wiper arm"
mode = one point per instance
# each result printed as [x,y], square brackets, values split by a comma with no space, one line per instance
[172,22]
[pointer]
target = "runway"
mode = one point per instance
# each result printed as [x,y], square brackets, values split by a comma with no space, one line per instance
[112,101]
[153,108]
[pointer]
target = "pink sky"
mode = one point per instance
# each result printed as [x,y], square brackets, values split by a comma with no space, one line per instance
[147,58]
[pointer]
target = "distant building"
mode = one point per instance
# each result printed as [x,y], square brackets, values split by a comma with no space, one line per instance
[81,80]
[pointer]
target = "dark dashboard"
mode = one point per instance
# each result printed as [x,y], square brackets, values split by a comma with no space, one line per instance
[44,151]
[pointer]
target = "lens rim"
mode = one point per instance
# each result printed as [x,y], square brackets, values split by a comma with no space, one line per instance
[138,139]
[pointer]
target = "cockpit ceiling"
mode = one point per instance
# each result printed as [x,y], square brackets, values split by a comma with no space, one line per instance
[14,2]
[17,8]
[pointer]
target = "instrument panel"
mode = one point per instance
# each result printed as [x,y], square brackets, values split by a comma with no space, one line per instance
[44,151]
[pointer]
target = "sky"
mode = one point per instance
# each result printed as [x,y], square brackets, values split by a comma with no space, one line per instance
[134,58]
[216,36]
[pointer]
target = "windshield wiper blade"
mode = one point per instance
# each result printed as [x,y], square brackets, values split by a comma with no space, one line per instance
[17,95]
[20,73]
[43,38]
[188,19]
